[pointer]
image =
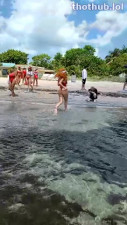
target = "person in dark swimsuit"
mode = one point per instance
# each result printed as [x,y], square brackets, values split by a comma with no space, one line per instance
[63,91]
[93,94]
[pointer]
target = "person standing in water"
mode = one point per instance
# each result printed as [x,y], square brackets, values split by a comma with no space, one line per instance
[29,77]
[23,75]
[63,91]
[84,77]
[13,80]
[19,75]
[125,82]
[35,77]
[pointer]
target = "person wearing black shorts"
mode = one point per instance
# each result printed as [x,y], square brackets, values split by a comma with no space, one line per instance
[84,77]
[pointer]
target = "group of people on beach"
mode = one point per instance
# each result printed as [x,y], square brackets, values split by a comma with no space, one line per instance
[27,77]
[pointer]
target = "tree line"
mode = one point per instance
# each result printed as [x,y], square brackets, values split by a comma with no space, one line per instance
[74,60]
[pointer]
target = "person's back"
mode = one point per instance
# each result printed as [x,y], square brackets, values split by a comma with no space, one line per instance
[84,74]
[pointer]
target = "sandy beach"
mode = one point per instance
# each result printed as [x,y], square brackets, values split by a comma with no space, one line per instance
[46,92]
[103,86]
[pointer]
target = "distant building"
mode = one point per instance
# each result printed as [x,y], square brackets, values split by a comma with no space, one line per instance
[4,68]
[41,70]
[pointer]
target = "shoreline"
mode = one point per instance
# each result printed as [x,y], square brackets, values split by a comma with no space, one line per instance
[106,88]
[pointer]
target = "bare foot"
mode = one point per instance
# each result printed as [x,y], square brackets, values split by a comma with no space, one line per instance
[14,95]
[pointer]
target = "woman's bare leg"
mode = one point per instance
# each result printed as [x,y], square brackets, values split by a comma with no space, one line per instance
[31,84]
[13,87]
[65,96]
[33,81]
[59,103]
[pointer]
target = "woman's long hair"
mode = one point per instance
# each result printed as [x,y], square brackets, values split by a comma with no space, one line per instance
[61,73]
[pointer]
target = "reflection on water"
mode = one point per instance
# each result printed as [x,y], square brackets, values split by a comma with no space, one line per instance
[69,169]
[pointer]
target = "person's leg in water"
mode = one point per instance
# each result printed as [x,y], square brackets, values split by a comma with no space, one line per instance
[12,87]
[65,96]
[36,81]
[30,84]
[60,101]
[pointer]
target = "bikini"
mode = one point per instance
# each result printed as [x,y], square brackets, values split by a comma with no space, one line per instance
[11,77]
[36,75]
[64,83]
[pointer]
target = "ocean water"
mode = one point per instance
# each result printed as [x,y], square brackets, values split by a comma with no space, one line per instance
[64,169]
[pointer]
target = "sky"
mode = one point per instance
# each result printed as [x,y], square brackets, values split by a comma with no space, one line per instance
[51,26]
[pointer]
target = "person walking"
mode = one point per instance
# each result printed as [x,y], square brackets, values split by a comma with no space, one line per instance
[84,77]
[63,91]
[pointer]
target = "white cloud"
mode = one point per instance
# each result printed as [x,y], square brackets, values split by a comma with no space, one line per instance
[41,26]
[96,52]
[111,23]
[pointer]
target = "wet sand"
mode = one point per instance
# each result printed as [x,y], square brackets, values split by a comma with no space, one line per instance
[103,86]
[46,92]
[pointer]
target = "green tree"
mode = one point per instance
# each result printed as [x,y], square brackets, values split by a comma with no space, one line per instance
[74,69]
[113,54]
[42,60]
[89,50]
[58,61]
[75,56]
[14,56]
[117,65]
[72,57]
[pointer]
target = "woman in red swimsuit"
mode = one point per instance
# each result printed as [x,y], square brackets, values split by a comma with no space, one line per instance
[19,75]
[12,81]
[24,75]
[63,91]
[35,77]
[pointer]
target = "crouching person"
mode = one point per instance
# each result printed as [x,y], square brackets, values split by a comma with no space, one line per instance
[93,94]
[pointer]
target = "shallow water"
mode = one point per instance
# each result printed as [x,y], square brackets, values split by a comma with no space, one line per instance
[64,169]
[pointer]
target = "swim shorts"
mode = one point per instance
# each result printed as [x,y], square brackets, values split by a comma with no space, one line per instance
[84,81]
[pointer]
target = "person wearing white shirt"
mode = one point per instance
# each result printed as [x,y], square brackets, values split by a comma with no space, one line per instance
[29,78]
[84,77]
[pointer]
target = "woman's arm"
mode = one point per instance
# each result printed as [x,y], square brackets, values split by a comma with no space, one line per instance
[60,84]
